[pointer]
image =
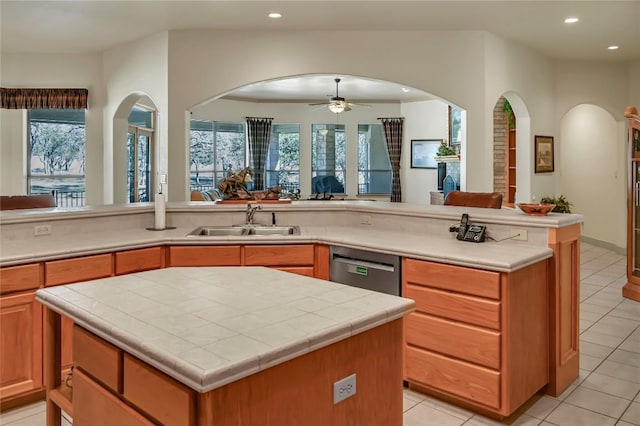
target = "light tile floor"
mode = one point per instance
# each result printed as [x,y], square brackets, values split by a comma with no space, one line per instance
[606,393]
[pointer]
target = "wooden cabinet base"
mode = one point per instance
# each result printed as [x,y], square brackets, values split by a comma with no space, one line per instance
[297,392]
[631,291]
[300,392]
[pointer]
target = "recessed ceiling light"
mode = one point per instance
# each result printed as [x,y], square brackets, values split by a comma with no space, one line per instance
[405,90]
[275,15]
[613,47]
[571,20]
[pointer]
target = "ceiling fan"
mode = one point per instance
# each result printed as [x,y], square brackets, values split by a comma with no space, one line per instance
[338,104]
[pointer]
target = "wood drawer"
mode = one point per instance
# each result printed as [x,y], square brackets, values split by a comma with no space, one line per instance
[455,278]
[458,378]
[279,255]
[77,269]
[204,256]
[300,270]
[93,405]
[100,359]
[154,392]
[138,260]
[460,307]
[19,278]
[459,340]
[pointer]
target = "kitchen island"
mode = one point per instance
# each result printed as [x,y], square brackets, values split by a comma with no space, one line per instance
[218,346]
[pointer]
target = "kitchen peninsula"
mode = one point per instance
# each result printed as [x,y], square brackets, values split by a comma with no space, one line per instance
[223,346]
[97,242]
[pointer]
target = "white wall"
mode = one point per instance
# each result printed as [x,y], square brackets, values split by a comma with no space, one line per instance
[593,177]
[133,71]
[448,64]
[52,71]
[423,120]
[525,78]
[607,86]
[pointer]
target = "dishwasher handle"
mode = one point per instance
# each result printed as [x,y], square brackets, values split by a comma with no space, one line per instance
[356,262]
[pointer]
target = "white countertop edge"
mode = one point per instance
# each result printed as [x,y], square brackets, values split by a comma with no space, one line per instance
[165,237]
[205,380]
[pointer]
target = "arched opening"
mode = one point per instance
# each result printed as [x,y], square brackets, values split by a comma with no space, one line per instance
[593,164]
[359,170]
[512,149]
[135,156]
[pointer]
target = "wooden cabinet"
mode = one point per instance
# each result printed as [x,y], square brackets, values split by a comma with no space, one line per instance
[632,287]
[204,256]
[130,261]
[479,338]
[20,345]
[76,269]
[65,271]
[303,259]
[21,374]
[94,405]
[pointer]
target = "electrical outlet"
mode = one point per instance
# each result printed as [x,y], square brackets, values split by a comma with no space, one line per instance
[345,388]
[42,230]
[518,234]
[365,219]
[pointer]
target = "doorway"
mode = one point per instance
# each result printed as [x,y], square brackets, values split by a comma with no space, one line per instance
[140,154]
[504,151]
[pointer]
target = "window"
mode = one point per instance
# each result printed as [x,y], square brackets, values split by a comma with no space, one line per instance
[283,157]
[56,155]
[216,148]
[374,167]
[140,177]
[328,163]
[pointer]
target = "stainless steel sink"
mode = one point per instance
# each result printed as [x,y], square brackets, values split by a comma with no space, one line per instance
[244,230]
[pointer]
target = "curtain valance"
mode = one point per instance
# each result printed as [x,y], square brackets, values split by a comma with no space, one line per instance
[43,98]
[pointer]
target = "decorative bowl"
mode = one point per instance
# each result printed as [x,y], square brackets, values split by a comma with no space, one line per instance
[533,209]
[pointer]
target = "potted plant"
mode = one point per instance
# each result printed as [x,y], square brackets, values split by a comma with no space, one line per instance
[446,153]
[562,204]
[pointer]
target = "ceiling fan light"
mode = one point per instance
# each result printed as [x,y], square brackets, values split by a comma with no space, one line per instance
[337,107]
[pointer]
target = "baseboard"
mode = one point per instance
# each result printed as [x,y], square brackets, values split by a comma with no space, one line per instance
[604,244]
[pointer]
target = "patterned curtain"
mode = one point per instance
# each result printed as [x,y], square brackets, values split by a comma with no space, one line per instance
[43,98]
[259,132]
[393,136]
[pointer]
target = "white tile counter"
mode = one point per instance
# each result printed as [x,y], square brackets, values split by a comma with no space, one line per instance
[207,327]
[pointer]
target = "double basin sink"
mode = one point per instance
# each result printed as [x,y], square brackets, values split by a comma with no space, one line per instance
[243,230]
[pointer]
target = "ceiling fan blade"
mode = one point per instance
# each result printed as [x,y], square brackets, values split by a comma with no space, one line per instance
[319,103]
[360,105]
[347,108]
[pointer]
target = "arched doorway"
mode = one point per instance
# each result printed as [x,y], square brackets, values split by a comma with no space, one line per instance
[135,154]
[512,149]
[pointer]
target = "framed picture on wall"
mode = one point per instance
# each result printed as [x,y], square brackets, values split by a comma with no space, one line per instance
[422,153]
[455,126]
[543,154]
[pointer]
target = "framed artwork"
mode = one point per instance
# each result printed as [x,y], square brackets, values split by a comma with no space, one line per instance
[543,154]
[422,153]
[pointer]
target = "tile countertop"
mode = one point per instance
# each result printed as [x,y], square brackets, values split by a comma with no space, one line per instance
[207,327]
[503,256]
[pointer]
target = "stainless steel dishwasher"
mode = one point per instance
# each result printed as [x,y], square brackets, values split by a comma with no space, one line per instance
[365,269]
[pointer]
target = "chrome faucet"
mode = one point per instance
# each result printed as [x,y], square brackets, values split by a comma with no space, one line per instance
[251,210]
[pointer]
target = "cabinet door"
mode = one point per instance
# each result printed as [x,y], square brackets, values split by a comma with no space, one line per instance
[20,344]
[95,406]
[131,261]
[19,278]
[77,269]
[204,256]
[279,255]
